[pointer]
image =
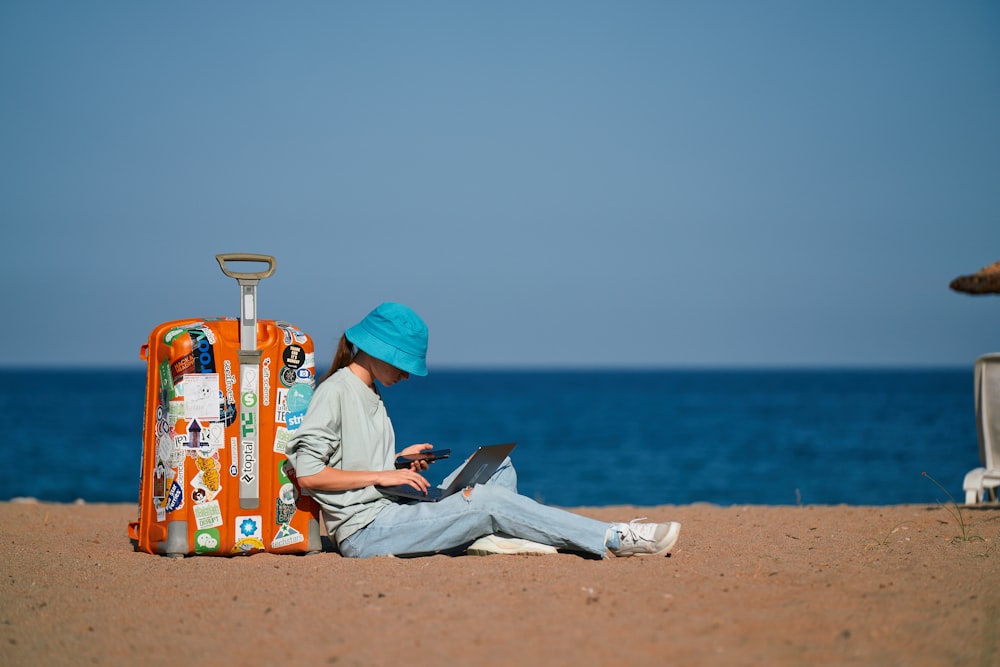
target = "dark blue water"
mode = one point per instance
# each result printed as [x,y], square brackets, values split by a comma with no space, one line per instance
[585,438]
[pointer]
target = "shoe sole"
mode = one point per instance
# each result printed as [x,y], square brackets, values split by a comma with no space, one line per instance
[486,552]
[510,547]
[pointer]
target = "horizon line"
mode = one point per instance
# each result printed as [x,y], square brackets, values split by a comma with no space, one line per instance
[557,368]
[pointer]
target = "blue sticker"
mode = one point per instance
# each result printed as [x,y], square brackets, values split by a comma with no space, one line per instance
[293,420]
[248,527]
[298,397]
[175,499]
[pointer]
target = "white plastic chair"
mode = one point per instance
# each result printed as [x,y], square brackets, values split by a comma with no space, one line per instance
[981,483]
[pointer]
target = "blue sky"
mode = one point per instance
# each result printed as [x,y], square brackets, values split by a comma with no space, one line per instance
[640,184]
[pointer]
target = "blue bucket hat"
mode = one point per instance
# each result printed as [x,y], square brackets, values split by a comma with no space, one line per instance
[394,334]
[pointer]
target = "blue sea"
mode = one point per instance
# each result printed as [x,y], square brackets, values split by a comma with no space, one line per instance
[585,438]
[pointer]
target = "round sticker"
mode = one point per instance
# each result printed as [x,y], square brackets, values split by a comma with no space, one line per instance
[287,494]
[298,397]
[288,376]
[294,356]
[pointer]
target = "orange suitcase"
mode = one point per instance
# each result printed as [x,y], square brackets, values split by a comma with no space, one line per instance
[222,397]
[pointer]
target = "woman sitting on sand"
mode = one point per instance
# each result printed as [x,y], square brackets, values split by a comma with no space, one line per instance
[344,451]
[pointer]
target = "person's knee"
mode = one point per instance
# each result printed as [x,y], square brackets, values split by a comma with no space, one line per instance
[486,496]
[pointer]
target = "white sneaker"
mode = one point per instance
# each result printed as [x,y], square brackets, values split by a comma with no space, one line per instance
[645,539]
[496,544]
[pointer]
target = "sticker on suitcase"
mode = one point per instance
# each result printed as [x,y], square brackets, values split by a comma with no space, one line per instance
[249,534]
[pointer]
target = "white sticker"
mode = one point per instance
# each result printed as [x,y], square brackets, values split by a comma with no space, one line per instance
[201,396]
[286,536]
[281,406]
[281,438]
[207,515]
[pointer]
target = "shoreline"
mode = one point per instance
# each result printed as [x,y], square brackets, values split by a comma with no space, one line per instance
[750,584]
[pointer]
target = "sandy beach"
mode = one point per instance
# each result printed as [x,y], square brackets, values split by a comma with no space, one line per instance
[747,585]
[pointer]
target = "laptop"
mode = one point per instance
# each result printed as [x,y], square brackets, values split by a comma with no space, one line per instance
[480,467]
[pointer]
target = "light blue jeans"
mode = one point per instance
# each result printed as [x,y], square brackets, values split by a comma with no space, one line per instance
[413,528]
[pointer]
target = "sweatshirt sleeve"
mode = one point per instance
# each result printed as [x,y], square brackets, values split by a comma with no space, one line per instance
[316,442]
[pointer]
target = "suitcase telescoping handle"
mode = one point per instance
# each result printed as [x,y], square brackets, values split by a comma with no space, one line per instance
[248,292]
[249,357]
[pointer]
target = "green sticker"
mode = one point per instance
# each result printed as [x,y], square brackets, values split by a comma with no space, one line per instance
[207,541]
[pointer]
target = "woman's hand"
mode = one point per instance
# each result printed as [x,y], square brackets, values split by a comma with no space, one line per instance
[416,449]
[413,450]
[403,476]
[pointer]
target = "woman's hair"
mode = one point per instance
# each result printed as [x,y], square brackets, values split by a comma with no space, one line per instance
[344,356]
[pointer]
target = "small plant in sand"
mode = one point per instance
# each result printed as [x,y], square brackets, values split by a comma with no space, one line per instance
[884,542]
[956,511]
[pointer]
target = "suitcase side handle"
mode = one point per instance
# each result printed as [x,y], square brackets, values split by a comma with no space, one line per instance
[247,257]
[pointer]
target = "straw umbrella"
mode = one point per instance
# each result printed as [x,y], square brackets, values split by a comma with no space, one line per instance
[984,281]
[980,483]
